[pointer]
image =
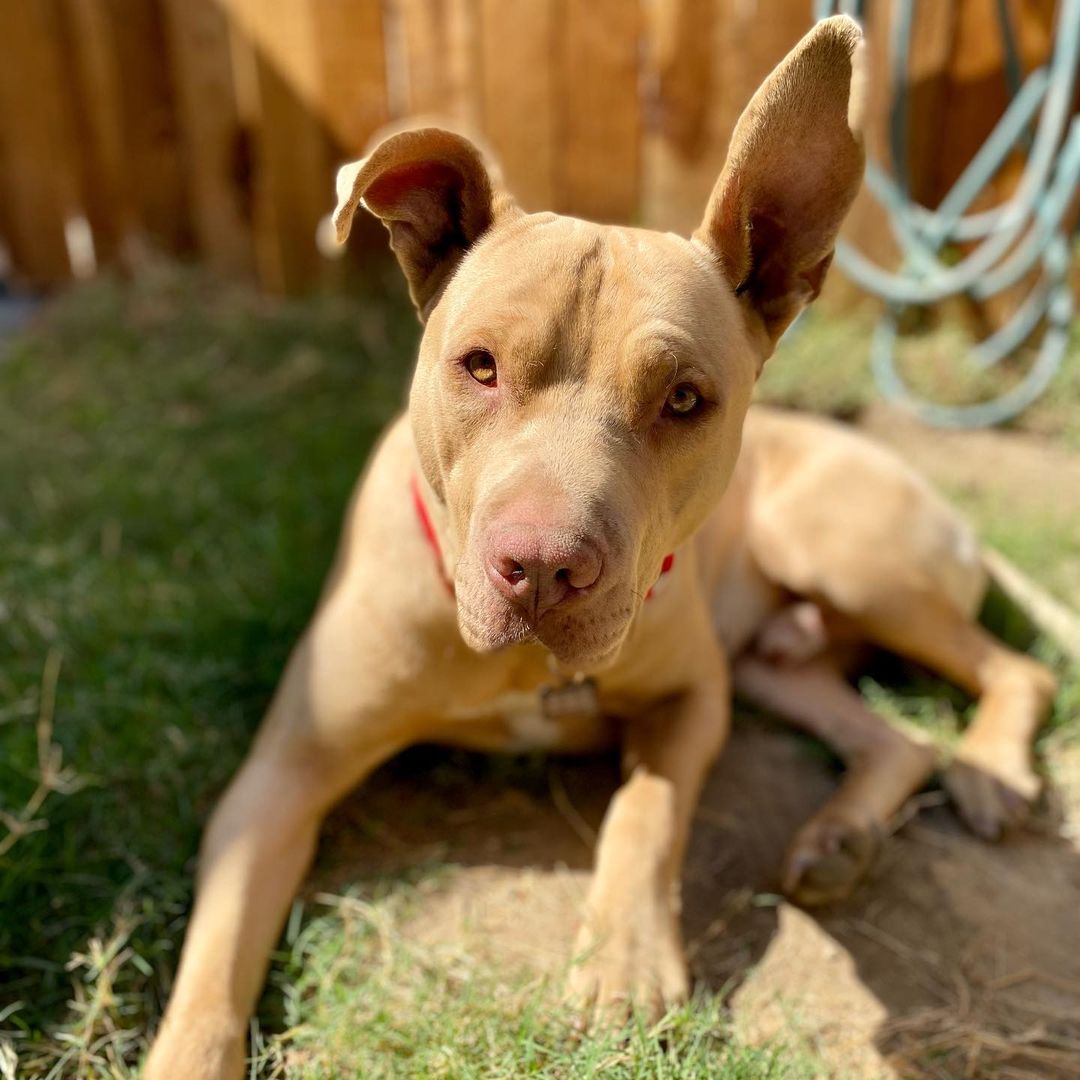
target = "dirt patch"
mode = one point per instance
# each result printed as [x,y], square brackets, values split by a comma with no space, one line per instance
[955,959]
[1034,475]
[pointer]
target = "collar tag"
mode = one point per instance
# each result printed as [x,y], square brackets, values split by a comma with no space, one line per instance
[578,697]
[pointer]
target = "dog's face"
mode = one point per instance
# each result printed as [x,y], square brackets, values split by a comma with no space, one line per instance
[580,392]
[577,405]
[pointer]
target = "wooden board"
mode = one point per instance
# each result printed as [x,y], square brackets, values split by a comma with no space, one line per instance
[424,37]
[443,59]
[351,93]
[93,88]
[684,142]
[683,153]
[520,113]
[598,134]
[277,73]
[36,132]
[7,257]
[215,144]
[932,46]
[866,226]
[150,125]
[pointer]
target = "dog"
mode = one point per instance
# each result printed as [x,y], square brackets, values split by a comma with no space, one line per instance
[581,536]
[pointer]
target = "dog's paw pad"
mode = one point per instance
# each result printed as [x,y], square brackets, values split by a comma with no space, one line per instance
[827,860]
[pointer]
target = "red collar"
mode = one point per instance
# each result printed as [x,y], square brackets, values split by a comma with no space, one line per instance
[665,568]
[428,529]
[432,537]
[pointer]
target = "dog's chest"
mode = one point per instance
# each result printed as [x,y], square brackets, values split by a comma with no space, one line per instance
[555,715]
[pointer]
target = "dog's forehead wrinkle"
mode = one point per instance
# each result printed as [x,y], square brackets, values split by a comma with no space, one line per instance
[617,309]
[543,263]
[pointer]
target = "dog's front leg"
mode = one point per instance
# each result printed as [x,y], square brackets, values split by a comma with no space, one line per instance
[629,951]
[257,846]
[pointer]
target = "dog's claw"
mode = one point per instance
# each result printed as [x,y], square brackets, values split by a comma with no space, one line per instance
[639,967]
[989,798]
[828,858]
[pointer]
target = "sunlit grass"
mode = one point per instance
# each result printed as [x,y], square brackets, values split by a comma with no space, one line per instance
[364,992]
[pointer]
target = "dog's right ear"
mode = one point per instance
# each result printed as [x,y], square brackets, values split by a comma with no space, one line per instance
[435,193]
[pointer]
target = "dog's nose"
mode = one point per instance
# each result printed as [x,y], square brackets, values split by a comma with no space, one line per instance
[538,569]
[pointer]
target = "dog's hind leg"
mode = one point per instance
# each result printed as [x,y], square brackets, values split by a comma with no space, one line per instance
[885,767]
[992,779]
[857,532]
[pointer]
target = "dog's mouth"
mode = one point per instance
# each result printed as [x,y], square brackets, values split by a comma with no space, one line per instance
[582,636]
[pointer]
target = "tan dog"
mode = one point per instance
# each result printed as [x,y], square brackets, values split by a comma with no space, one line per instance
[562,546]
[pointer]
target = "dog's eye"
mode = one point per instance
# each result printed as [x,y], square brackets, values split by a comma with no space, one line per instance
[684,400]
[481,366]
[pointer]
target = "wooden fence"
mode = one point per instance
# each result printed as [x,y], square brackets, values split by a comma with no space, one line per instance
[210,129]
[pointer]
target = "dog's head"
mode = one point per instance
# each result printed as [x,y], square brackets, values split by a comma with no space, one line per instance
[580,392]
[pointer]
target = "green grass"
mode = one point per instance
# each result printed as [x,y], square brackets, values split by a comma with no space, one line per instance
[172,474]
[174,465]
[1043,541]
[361,992]
[823,365]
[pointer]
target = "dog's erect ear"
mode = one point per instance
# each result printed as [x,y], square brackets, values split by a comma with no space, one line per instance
[793,168]
[435,193]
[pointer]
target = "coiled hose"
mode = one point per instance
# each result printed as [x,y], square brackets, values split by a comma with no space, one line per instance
[1010,240]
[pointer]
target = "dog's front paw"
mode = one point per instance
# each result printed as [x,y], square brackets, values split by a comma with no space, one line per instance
[829,856]
[991,792]
[632,962]
[203,1047]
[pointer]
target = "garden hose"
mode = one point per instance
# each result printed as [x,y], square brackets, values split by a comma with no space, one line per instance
[1009,241]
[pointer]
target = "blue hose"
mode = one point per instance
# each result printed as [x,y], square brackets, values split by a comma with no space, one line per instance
[1011,240]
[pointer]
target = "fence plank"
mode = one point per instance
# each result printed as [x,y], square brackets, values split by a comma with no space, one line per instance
[443,58]
[685,141]
[597,156]
[352,95]
[866,225]
[92,80]
[519,95]
[214,140]
[36,137]
[684,154]
[932,45]
[150,124]
[425,61]
[7,225]
[274,48]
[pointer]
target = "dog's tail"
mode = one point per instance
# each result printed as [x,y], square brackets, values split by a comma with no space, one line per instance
[1047,614]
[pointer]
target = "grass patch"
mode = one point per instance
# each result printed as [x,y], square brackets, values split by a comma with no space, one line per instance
[363,992]
[1043,541]
[173,470]
[823,365]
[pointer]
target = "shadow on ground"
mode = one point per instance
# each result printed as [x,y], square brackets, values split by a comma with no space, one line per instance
[956,958]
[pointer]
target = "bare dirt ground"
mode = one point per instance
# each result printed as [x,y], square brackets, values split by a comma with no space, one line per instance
[955,959]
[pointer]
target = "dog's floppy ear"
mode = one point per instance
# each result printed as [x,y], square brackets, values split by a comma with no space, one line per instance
[436,194]
[792,170]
